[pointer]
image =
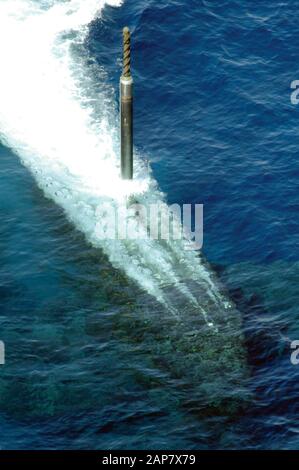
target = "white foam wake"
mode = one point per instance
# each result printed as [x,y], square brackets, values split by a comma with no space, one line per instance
[64,127]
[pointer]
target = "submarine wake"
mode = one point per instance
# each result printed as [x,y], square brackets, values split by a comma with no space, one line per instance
[58,115]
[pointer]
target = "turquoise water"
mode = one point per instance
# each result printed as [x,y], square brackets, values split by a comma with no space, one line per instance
[94,357]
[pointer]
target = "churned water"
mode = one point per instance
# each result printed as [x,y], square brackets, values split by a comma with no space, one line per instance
[135,343]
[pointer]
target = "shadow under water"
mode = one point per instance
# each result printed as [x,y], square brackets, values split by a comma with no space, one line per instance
[209,367]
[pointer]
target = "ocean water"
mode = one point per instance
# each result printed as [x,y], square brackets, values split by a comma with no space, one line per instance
[141,344]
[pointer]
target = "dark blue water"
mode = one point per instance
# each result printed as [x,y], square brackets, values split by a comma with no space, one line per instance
[213,115]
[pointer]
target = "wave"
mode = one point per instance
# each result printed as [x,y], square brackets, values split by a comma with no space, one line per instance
[58,117]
